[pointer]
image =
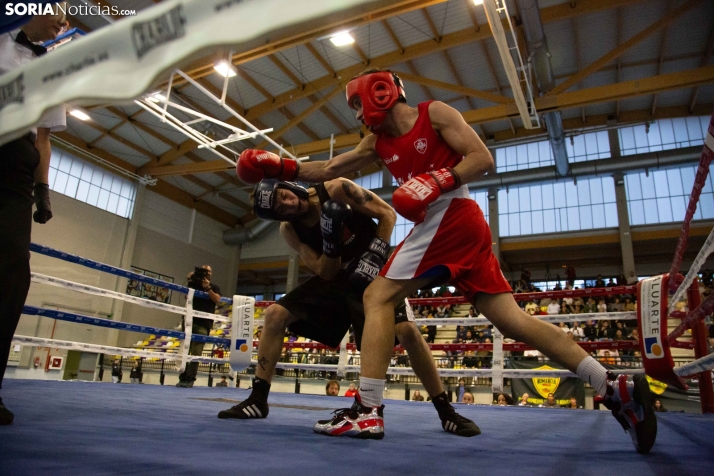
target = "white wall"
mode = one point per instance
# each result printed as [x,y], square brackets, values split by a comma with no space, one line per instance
[87,231]
[162,245]
[268,245]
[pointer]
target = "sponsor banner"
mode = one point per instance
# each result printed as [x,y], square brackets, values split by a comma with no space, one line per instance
[538,388]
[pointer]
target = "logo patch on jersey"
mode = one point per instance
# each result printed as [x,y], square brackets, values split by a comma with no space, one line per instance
[391,159]
[420,145]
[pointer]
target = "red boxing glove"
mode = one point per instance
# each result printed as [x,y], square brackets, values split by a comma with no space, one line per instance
[255,165]
[411,199]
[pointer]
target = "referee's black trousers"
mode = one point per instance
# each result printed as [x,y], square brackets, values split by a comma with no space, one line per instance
[15,228]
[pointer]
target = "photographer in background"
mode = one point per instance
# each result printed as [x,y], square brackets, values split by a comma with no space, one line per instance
[200,279]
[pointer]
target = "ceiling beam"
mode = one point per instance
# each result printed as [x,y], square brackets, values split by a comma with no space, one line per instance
[301,117]
[378,11]
[662,46]
[617,52]
[486,96]
[705,59]
[548,15]
[612,92]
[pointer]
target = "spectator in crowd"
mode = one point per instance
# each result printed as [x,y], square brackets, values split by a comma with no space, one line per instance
[461,391]
[608,358]
[470,361]
[611,283]
[524,400]
[591,331]
[563,327]
[200,279]
[531,308]
[469,339]
[616,305]
[578,301]
[565,308]
[622,280]
[223,382]
[630,306]
[658,406]
[601,306]
[618,335]
[599,282]
[577,331]
[550,402]
[431,331]
[351,390]
[136,372]
[573,404]
[417,397]
[468,398]
[553,307]
[606,332]
[332,388]
[116,371]
[504,400]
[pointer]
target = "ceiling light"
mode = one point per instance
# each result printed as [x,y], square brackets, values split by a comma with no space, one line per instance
[79,114]
[342,38]
[478,2]
[225,69]
[156,97]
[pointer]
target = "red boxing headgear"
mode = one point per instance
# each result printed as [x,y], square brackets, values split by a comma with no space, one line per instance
[379,92]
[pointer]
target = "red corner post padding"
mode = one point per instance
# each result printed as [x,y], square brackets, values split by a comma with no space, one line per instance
[652,294]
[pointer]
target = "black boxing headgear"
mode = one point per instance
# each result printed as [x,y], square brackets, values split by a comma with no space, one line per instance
[264,198]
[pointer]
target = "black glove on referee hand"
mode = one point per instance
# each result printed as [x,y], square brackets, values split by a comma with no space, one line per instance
[332,219]
[42,202]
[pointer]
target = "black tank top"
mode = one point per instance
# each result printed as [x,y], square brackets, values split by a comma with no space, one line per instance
[358,234]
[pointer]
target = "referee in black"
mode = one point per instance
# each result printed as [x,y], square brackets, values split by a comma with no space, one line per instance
[24,171]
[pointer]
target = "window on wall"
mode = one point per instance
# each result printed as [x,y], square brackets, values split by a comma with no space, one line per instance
[663,134]
[556,207]
[581,147]
[88,183]
[591,146]
[662,196]
[370,181]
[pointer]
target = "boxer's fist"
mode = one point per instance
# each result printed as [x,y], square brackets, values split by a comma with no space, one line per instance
[255,165]
[333,216]
[370,264]
[411,199]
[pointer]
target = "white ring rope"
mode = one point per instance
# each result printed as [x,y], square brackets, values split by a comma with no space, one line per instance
[554,318]
[698,262]
[506,373]
[698,366]
[87,289]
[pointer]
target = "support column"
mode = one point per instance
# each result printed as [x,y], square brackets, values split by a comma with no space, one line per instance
[126,259]
[614,140]
[623,218]
[493,222]
[293,271]
[232,284]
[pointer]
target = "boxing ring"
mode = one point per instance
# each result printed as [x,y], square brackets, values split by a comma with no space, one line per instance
[70,427]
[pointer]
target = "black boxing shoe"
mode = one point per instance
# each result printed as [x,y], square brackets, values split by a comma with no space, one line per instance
[248,408]
[451,421]
[6,416]
[630,402]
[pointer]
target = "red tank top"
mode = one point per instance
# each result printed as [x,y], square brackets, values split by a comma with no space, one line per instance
[418,151]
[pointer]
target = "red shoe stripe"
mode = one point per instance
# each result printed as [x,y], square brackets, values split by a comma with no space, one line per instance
[631,415]
[622,388]
[371,422]
[340,430]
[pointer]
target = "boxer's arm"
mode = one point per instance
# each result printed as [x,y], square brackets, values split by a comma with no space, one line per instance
[321,265]
[365,203]
[449,123]
[340,165]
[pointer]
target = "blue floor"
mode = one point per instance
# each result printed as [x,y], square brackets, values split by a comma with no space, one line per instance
[78,428]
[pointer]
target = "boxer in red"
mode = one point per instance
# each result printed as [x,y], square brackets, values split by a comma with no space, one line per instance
[433,153]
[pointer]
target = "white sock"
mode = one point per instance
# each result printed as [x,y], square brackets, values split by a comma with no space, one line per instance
[370,391]
[592,372]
